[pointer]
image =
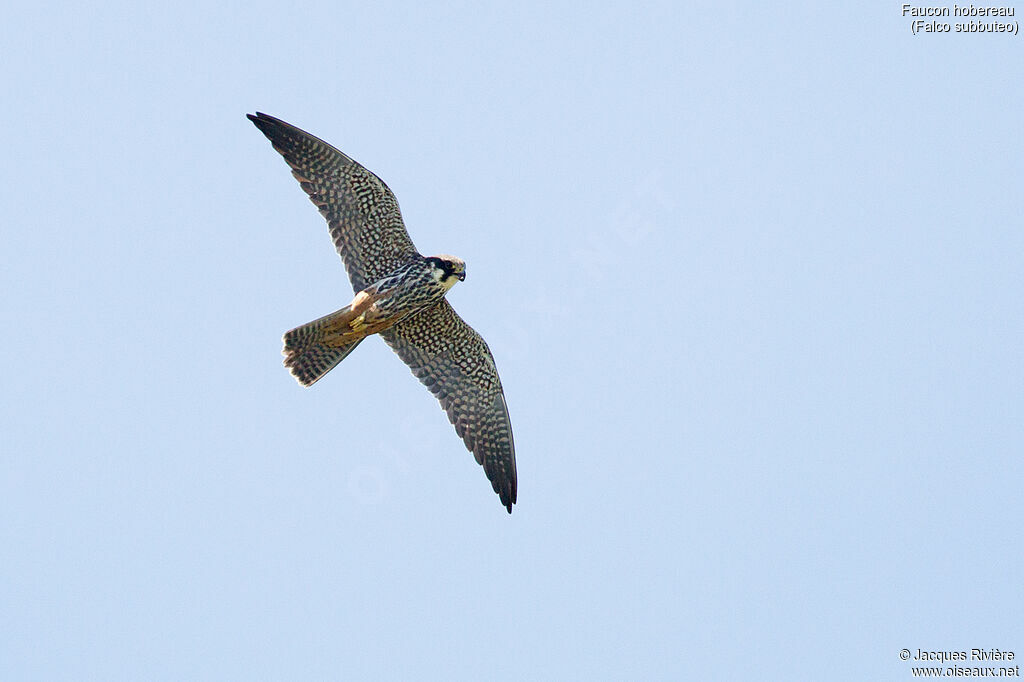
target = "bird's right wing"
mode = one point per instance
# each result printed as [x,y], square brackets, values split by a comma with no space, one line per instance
[361,211]
[454,362]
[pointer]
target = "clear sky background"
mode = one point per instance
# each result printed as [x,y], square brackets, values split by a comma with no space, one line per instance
[752,276]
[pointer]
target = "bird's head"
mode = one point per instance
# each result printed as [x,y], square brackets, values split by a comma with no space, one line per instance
[447,270]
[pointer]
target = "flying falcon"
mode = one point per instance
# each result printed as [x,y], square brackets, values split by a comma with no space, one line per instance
[399,295]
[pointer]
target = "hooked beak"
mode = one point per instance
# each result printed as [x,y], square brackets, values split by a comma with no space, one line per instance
[461,276]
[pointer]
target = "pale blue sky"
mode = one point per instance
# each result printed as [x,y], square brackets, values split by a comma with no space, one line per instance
[752,276]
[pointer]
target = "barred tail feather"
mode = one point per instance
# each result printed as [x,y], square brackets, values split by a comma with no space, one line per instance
[314,349]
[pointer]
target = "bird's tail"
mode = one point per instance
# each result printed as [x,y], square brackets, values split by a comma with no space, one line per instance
[315,348]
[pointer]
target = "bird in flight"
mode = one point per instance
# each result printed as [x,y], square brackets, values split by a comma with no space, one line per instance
[400,295]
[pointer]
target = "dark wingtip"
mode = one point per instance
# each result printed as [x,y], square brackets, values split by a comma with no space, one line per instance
[262,121]
[509,507]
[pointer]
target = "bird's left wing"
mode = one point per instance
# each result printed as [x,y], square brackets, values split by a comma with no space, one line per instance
[361,211]
[454,362]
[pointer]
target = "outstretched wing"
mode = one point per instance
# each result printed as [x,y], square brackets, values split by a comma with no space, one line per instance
[361,211]
[453,361]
